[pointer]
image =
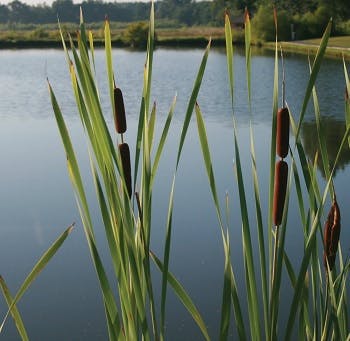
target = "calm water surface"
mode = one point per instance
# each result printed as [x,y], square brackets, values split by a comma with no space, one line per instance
[37,202]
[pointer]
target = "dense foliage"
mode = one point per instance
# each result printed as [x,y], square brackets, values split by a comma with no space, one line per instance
[305,18]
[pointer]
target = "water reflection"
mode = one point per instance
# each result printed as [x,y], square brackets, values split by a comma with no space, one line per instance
[334,131]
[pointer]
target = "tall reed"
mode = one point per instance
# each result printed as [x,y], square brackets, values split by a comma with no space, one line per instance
[319,306]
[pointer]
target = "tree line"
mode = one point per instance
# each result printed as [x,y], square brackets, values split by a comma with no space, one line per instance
[299,13]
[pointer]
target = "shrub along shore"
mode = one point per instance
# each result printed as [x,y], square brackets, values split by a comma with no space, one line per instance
[168,37]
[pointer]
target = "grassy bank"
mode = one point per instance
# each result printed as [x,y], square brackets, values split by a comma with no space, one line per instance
[337,46]
[48,36]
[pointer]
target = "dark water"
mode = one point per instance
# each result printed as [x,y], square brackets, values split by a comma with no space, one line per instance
[37,202]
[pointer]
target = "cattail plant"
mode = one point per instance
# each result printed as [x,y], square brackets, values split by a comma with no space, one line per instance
[120,126]
[282,146]
[281,175]
[119,111]
[331,235]
[282,132]
[125,158]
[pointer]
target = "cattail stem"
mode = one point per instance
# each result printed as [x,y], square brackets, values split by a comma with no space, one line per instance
[283,80]
[274,266]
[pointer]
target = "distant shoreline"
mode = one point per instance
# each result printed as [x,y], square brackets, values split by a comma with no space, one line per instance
[168,42]
[303,47]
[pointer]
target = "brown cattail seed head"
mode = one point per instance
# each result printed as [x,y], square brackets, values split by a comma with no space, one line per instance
[331,235]
[125,158]
[282,133]
[119,111]
[280,187]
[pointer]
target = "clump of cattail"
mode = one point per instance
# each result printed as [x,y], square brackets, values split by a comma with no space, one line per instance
[331,235]
[119,111]
[120,126]
[281,168]
[282,133]
[280,187]
[125,158]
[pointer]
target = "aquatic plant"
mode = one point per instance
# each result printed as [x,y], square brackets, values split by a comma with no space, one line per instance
[318,304]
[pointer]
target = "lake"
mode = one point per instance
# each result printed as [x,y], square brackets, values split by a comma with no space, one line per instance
[37,201]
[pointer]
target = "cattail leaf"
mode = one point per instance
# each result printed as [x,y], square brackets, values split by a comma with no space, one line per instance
[229,54]
[14,311]
[146,92]
[237,308]
[38,267]
[207,160]
[113,335]
[290,269]
[347,96]
[320,135]
[92,49]
[272,152]
[248,53]
[151,125]
[229,283]
[139,139]
[108,52]
[82,40]
[149,59]
[74,173]
[314,72]
[166,257]
[162,141]
[260,231]
[117,256]
[252,295]
[183,296]
[298,191]
[309,247]
[64,44]
[280,236]
[333,308]
[192,102]
[226,294]
[225,308]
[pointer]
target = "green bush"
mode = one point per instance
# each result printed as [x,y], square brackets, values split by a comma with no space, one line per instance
[264,27]
[312,24]
[136,34]
[39,33]
[343,28]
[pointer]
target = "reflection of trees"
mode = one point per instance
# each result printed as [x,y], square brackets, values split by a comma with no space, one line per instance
[333,134]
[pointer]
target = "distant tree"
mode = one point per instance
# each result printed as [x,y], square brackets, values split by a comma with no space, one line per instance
[4,13]
[136,34]
[19,12]
[263,24]
[66,10]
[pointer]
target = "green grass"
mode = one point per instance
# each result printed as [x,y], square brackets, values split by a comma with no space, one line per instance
[339,42]
[337,46]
